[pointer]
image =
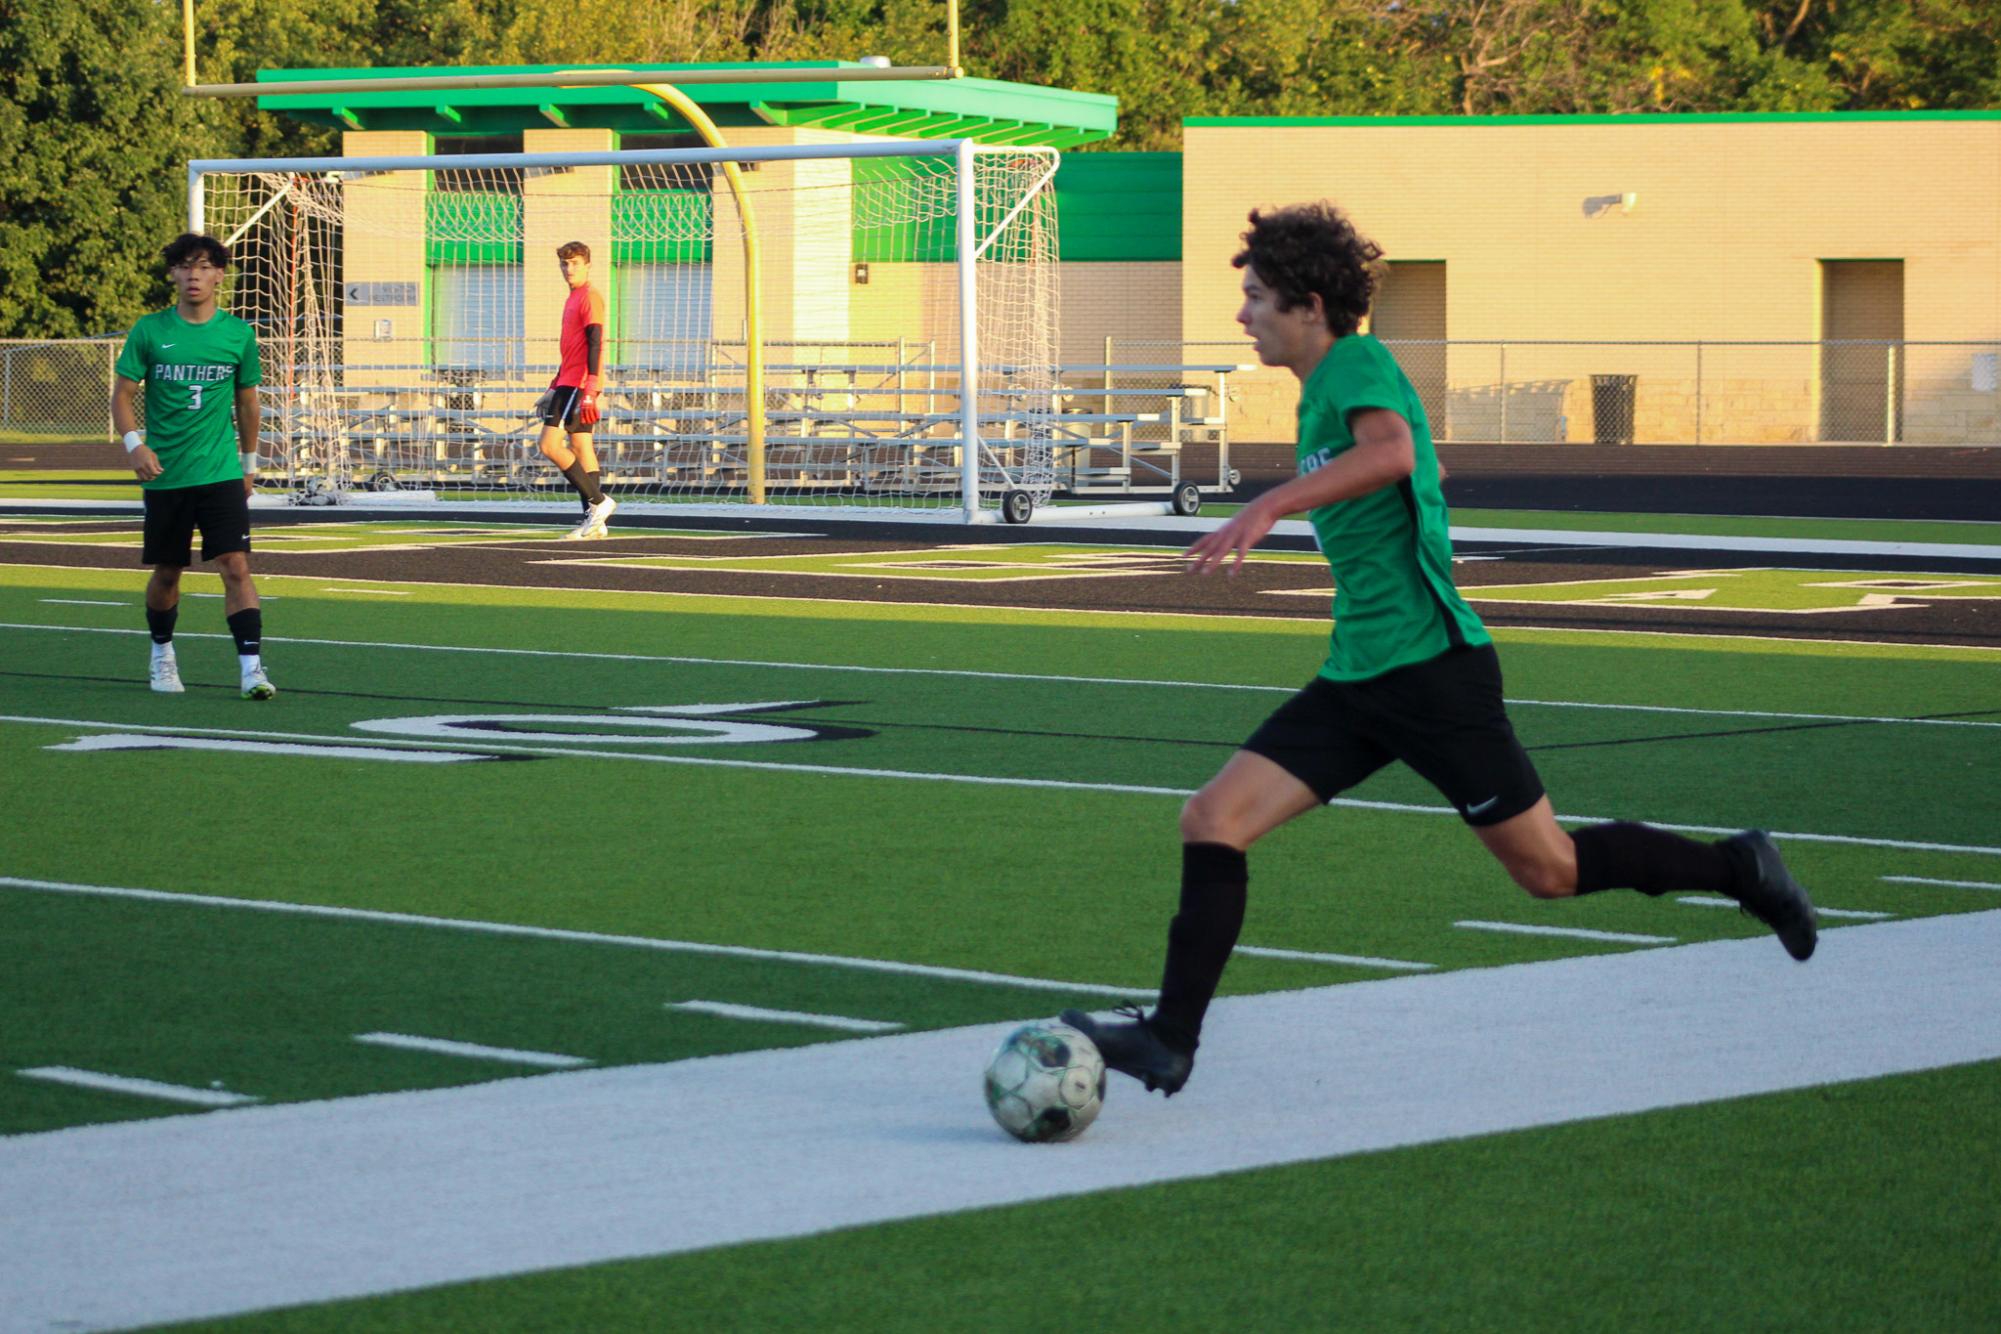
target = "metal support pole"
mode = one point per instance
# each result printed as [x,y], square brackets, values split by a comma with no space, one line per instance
[1890,395]
[969,337]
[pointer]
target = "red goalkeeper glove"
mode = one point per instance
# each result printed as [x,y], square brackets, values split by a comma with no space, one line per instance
[587,408]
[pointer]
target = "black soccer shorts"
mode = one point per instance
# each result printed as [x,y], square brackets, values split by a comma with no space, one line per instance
[1443,717]
[220,509]
[559,407]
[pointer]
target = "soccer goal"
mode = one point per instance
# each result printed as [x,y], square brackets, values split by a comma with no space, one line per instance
[867,324]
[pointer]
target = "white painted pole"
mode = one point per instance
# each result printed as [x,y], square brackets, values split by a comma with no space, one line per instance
[969,338]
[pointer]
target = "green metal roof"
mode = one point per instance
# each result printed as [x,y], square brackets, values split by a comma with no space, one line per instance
[1629,118]
[984,109]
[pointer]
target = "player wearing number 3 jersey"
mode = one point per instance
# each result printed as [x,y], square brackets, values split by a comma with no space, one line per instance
[200,370]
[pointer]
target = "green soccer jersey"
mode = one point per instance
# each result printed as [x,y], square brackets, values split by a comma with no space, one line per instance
[191,373]
[1394,601]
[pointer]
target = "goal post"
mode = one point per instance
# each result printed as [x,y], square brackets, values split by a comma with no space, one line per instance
[408,310]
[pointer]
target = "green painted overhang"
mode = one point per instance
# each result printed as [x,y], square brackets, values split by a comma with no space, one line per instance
[984,109]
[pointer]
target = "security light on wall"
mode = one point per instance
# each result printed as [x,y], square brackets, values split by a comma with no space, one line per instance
[1597,206]
[861,274]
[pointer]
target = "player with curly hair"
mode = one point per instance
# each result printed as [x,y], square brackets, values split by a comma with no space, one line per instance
[1411,673]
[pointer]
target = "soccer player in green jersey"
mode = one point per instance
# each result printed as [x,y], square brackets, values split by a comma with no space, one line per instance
[200,370]
[1411,673]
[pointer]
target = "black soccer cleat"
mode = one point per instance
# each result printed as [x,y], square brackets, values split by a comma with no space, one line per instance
[1136,1049]
[1768,892]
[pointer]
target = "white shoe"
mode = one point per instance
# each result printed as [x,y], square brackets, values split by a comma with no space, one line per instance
[594,522]
[256,685]
[167,675]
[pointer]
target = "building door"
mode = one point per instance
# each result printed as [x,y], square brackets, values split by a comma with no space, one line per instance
[1409,316]
[1861,354]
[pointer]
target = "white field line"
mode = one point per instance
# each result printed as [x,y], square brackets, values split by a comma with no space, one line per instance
[1855,914]
[198,1217]
[1030,677]
[143,1088]
[547,1060]
[1949,884]
[978,780]
[1567,932]
[1826,546]
[1250,621]
[84,602]
[1354,960]
[580,937]
[753,1014]
[322,751]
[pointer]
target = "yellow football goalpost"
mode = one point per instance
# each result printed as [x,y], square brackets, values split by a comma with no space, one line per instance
[673,97]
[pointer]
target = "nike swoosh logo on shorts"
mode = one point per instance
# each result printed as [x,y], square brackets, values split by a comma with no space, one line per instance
[1482,806]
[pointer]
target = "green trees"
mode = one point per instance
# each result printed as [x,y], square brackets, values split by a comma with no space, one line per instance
[94,132]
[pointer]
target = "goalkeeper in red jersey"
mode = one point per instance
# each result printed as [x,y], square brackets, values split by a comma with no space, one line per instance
[570,408]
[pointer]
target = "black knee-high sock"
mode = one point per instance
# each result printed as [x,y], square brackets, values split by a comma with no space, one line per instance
[580,479]
[597,481]
[247,627]
[1215,881]
[1624,855]
[161,624]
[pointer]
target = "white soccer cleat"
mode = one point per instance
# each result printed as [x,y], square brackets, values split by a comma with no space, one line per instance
[167,675]
[594,522]
[256,685]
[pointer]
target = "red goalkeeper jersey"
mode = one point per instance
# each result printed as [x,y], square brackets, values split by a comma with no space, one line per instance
[584,308]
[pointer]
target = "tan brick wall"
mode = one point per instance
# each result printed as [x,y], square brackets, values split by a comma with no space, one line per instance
[1123,302]
[389,248]
[804,217]
[557,208]
[1724,241]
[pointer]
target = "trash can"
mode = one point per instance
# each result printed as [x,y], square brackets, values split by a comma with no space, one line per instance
[1612,409]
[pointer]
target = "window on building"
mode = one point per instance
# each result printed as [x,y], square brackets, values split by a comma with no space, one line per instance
[657,176]
[477,321]
[480,180]
[664,314]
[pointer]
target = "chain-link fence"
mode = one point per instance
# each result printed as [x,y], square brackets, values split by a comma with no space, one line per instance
[56,390]
[1726,393]
[1473,391]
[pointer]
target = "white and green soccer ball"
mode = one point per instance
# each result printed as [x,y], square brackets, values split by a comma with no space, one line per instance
[1046,1082]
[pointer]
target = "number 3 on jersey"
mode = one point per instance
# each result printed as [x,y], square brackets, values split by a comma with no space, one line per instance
[194,398]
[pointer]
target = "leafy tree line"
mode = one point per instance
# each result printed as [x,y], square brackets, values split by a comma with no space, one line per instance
[94,132]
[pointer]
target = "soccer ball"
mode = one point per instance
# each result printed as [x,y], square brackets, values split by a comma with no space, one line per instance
[1046,1082]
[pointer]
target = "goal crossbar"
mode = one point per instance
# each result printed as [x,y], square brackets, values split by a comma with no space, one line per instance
[1002,234]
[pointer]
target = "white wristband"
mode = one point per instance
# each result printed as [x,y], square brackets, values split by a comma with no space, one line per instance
[133,440]
[250,463]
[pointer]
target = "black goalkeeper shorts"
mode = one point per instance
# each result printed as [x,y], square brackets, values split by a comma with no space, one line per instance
[1443,717]
[558,407]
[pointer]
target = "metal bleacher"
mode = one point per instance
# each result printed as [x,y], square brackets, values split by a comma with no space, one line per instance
[1110,430]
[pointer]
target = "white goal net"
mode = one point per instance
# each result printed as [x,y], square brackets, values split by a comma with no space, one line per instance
[409,312]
